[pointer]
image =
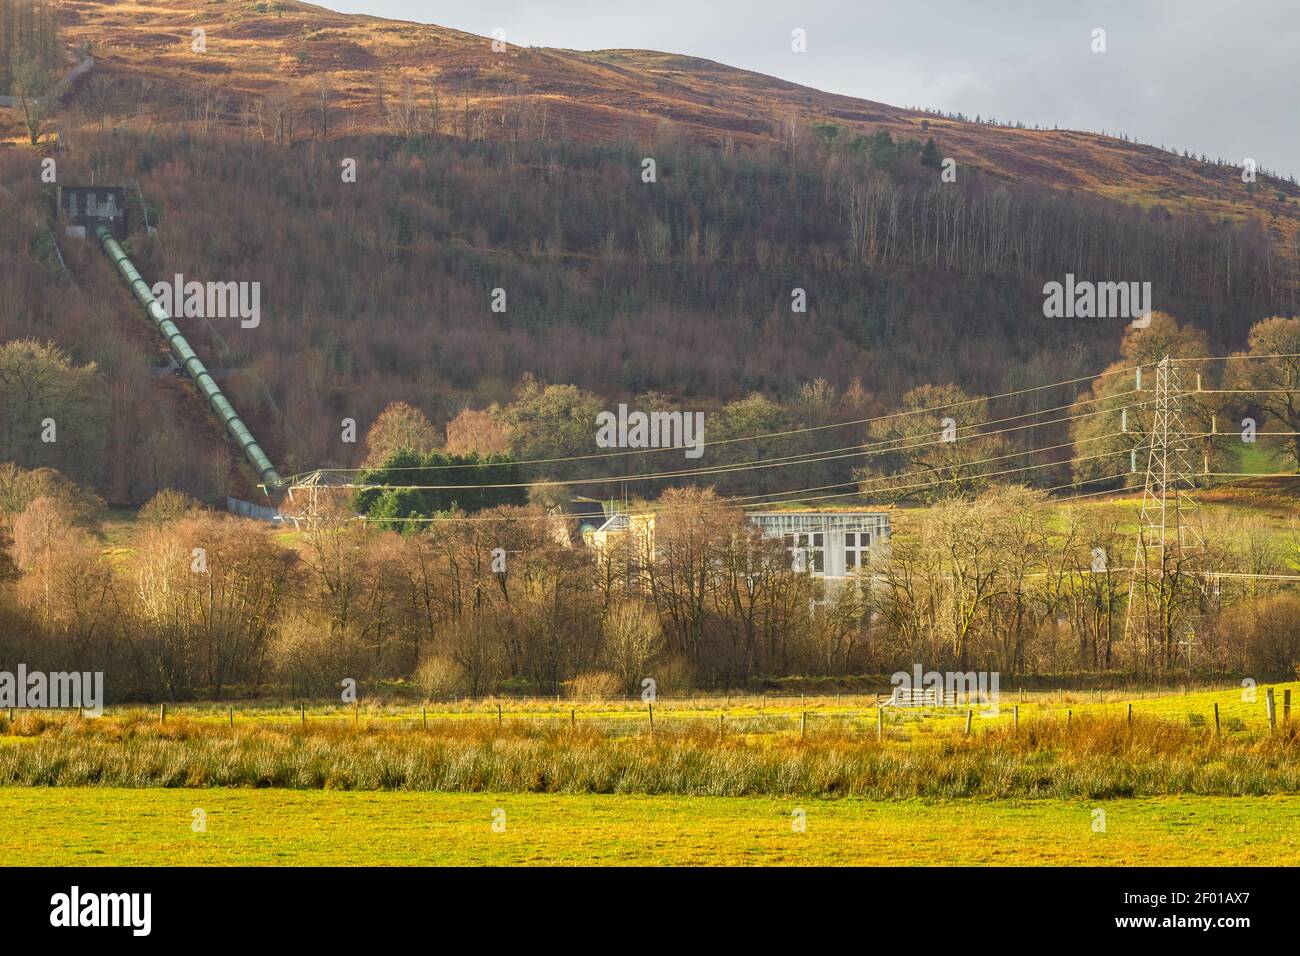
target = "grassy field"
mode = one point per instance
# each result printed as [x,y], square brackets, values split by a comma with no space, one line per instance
[754,715]
[1075,783]
[89,826]
[1092,756]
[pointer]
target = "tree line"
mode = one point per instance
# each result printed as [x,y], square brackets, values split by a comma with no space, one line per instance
[199,605]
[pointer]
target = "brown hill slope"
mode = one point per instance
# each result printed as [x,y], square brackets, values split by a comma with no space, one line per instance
[382,75]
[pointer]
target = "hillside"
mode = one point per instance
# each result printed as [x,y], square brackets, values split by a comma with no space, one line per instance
[375,72]
[521,172]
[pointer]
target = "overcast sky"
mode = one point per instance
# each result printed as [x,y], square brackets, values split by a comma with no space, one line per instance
[1217,78]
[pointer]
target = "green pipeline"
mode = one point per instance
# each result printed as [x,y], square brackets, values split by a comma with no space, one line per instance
[220,405]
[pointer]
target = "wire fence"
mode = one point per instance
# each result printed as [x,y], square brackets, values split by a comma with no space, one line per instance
[879,715]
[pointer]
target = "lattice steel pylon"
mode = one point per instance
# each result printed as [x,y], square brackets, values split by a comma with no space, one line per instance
[1170,547]
[314,490]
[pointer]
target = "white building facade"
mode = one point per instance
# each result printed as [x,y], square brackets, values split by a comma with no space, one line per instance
[826,544]
[835,544]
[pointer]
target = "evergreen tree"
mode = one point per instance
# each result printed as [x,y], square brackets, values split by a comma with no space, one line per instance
[930,154]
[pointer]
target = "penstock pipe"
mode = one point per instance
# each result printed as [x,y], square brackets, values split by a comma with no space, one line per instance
[205,383]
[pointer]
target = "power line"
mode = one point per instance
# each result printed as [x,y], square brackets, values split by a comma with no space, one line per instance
[1248,474]
[813,428]
[780,499]
[726,503]
[885,447]
[943,481]
[1009,471]
[759,437]
[881,447]
[933,483]
[940,481]
[1238,357]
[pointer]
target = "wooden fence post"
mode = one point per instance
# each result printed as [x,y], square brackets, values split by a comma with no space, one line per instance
[162,713]
[970,715]
[573,716]
[1069,716]
[650,707]
[498,715]
[1286,705]
[1130,714]
[1216,718]
[1271,704]
[232,716]
[302,710]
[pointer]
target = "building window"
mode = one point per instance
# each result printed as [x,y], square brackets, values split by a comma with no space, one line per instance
[813,545]
[856,546]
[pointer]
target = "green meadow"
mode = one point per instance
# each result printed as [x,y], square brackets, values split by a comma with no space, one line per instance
[96,826]
[1058,779]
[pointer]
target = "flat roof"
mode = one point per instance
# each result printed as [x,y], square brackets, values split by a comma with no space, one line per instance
[813,511]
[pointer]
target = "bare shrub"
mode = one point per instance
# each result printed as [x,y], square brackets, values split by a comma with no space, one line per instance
[168,506]
[673,675]
[595,685]
[312,661]
[440,677]
[633,637]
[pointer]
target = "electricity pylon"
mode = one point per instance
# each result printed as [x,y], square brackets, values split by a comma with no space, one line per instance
[315,490]
[1170,548]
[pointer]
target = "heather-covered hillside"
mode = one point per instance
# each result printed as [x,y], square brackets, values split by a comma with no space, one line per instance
[502,238]
[383,289]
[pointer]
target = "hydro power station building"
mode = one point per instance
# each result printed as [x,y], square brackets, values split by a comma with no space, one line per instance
[834,544]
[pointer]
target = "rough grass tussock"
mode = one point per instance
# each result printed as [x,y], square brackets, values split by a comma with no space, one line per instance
[1092,757]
